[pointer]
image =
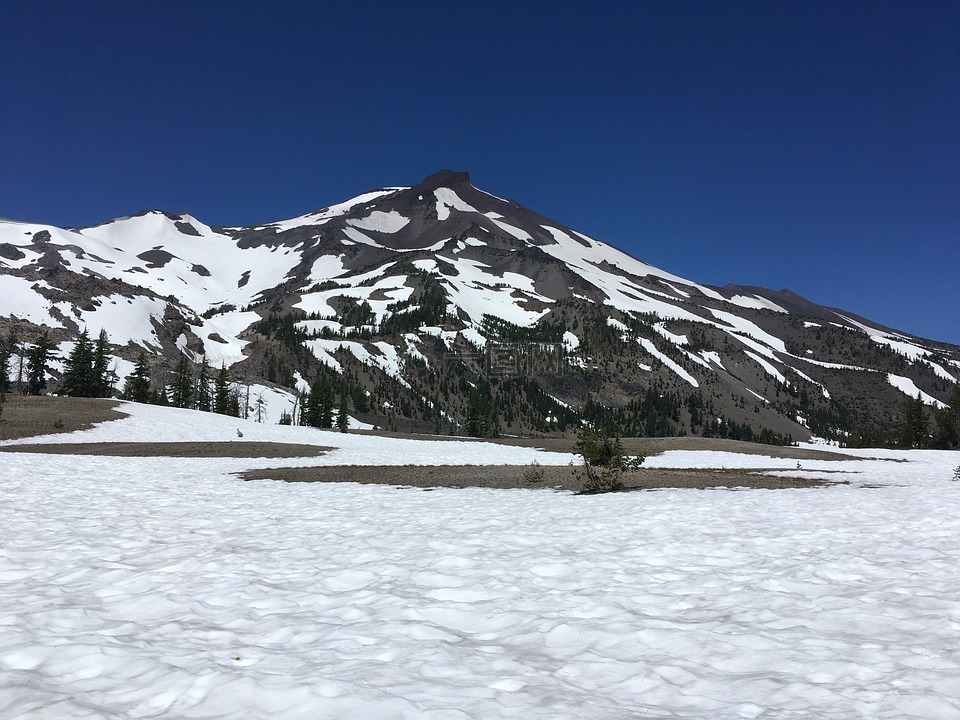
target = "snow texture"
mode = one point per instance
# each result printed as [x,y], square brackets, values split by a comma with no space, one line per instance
[166,587]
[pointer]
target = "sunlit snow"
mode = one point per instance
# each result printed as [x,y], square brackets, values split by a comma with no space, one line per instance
[906,385]
[167,587]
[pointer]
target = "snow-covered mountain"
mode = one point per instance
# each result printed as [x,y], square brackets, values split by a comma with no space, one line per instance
[432,305]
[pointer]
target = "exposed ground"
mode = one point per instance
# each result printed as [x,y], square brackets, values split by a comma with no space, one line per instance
[519,476]
[31,416]
[26,416]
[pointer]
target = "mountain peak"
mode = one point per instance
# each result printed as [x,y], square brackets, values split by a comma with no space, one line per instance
[445,178]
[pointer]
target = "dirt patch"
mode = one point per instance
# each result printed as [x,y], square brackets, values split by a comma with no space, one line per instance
[516,476]
[237,449]
[655,446]
[27,416]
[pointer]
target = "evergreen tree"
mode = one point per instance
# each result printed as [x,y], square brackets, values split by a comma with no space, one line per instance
[948,423]
[181,394]
[223,400]
[37,359]
[318,411]
[159,396]
[204,397]
[137,386]
[482,417]
[915,428]
[101,376]
[343,420]
[78,378]
[260,410]
[5,353]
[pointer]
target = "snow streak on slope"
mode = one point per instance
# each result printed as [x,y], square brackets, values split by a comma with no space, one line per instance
[323,216]
[165,587]
[906,385]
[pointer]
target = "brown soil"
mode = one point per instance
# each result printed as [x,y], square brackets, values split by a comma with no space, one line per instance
[518,476]
[26,416]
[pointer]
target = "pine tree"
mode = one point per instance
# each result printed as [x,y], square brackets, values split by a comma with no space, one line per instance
[318,410]
[78,378]
[5,353]
[221,392]
[101,377]
[37,359]
[343,420]
[326,406]
[948,422]
[915,428]
[137,386]
[182,388]
[204,398]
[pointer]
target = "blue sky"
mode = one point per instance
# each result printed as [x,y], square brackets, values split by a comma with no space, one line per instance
[813,146]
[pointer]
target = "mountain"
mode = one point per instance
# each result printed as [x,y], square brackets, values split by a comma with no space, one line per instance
[441,307]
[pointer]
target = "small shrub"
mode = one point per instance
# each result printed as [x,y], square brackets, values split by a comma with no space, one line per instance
[533,475]
[956,474]
[58,423]
[604,462]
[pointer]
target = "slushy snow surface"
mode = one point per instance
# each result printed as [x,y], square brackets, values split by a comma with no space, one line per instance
[167,587]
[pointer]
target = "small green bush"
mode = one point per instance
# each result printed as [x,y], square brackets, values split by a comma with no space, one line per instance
[533,475]
[604,462]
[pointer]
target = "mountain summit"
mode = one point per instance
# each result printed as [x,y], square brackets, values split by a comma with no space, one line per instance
[443,307]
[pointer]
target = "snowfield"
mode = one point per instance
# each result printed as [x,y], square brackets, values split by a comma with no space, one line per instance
[169,588]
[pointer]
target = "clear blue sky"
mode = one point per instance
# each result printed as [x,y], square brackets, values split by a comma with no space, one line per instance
[807,145]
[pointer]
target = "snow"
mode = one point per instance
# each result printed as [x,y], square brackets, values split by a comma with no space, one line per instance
[751,329]
[323,216]
[711,356]
[756,302]
[510,229]
[166,587]
[668,361]
[678,340]
[127,320]
[228,326]
[480,292]
[474,337]
[391,287]
[326,267]
[118,243]
[448,200]
[570,341]
[379,221]
[20,300]
[907,386]
[767,367]
[385,356]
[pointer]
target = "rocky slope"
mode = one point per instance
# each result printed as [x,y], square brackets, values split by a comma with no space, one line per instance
[441,307]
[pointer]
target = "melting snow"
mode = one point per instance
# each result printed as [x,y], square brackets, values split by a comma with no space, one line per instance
[166,587]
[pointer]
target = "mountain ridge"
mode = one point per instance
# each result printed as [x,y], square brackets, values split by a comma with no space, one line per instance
[381,284]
